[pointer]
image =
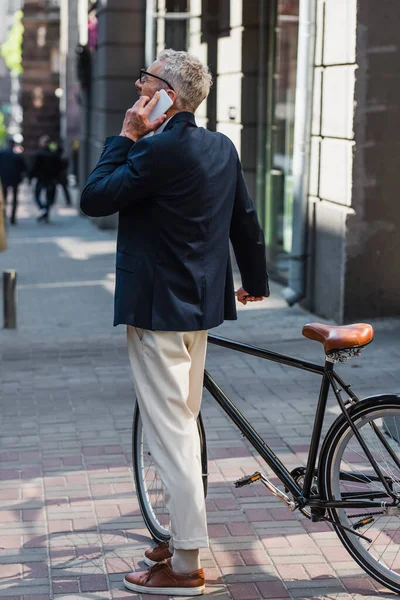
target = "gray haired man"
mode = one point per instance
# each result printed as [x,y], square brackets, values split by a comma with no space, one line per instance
[181,197]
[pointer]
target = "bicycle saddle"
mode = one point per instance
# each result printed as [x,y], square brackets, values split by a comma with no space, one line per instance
[335,337]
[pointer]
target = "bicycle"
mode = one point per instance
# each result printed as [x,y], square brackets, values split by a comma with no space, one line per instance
[352,482]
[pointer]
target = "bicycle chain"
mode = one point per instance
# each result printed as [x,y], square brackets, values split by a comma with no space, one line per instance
[366,515]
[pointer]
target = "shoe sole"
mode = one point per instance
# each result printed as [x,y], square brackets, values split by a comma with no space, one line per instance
[149,562]
[168,591]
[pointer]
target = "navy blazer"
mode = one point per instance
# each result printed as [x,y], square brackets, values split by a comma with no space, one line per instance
[180,196]
[12,167]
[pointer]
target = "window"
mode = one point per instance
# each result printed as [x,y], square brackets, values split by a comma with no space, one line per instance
[280,176]
[52,5]
[167,26]
[176,30]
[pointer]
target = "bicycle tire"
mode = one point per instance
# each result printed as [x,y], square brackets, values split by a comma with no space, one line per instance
[157,529]
[332,479]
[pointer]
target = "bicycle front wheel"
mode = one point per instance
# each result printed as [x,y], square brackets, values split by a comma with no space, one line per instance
[346,473]
[152,495]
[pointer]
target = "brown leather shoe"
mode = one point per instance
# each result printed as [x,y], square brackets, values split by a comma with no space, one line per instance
[161,579]
[157,554]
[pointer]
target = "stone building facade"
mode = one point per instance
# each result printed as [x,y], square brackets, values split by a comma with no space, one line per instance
[40,79]
[69,86]
[354,212]
[343,205]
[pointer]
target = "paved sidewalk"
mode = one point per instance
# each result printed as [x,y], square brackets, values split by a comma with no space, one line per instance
[69,519]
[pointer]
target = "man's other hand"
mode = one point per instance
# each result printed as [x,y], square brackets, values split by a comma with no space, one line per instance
[244,297]
[136,123]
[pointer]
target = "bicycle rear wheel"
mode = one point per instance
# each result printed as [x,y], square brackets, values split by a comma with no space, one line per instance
[347,473]
[152,495]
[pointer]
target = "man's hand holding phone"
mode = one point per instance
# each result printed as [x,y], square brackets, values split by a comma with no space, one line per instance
[138,120]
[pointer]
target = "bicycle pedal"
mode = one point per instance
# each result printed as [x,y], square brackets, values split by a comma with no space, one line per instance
[248,479]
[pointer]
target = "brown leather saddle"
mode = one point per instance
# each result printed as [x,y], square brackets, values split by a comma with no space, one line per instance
[335,337]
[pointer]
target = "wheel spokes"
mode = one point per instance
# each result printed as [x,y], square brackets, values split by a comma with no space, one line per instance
[154,488]
[357,479]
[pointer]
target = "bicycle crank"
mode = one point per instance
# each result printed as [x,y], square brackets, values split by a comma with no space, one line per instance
[257,476]
[298,475]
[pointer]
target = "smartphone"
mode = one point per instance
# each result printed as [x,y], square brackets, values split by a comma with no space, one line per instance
[163,104]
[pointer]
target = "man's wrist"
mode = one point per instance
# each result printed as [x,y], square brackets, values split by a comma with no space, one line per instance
[129,137]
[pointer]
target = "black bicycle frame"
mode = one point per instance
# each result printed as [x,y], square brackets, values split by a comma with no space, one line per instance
[302,495]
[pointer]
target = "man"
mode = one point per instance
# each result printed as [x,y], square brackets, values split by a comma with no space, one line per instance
[12,168]
[3,239]
[45,167]
[62,178]
[180,195]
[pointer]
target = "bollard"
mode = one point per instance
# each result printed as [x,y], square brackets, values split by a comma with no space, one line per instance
[10,299]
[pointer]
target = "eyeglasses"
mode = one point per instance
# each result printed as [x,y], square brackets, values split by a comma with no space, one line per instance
[144,74]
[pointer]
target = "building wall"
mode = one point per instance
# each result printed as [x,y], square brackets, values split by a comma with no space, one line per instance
[116,64]
[372,274]
[332,146]
[354,212]
[40,79]
[69,102]
[227,35]
[199,47]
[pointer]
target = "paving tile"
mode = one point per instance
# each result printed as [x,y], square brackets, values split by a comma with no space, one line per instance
[41,591]
[244,591]
[272,589]
[292,572]
[67,498]
[10,541]
[322,570]
[227,559]
[93,583]
[239,529]
[35,570]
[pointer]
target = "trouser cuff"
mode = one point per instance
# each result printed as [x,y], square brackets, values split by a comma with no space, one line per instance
[192,544]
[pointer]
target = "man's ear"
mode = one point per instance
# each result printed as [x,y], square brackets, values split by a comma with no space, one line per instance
[172,95]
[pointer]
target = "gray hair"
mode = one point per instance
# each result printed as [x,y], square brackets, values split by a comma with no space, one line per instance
[188,76]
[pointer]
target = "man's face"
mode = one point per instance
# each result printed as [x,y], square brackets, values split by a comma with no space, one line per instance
[151,85]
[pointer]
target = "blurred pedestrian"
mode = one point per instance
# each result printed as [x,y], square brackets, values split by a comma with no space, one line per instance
[63,175]
[12,169]
[181,195]
[3,237]
[45,168]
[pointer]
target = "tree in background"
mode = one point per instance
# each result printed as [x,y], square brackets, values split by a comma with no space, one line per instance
[3,130]
[11,49]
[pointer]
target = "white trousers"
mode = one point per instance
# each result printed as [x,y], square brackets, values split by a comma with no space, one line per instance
[168,370]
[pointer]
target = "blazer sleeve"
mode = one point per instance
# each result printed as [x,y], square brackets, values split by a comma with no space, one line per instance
[247,239]
[121,178]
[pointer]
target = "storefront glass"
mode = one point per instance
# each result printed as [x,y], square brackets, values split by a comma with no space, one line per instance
[279,188]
